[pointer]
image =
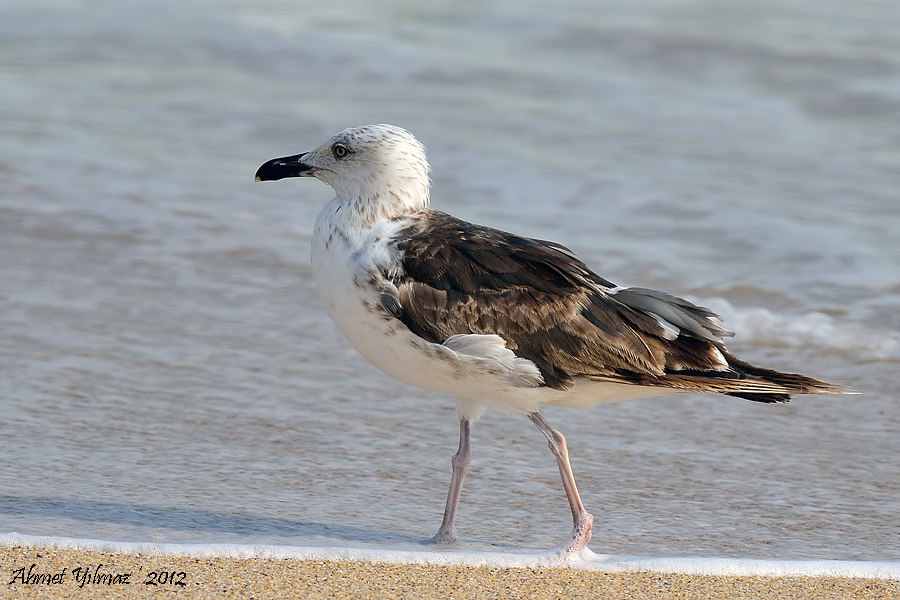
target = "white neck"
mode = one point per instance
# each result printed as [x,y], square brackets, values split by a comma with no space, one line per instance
[355,212]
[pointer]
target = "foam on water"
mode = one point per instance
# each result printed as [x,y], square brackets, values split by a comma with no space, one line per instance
[809,329]
[587,561]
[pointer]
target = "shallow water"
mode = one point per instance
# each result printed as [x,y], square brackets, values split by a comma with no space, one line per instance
[166,370]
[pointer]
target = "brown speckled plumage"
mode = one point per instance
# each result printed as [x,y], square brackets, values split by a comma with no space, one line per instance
[461,278]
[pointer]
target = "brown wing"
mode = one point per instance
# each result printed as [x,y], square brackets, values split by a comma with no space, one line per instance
[460,278]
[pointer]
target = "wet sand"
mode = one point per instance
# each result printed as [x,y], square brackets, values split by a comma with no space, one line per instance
[61,573]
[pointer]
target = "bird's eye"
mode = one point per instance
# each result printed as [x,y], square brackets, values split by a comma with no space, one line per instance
[340,151]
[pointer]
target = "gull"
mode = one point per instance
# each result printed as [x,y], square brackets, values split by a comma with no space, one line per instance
[499,321]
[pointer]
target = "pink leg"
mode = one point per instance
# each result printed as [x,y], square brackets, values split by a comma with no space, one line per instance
[581,532]
[460,462]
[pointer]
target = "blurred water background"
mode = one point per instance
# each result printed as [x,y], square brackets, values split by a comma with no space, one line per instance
[167,372]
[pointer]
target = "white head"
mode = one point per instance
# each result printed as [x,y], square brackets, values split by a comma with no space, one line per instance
[380,170]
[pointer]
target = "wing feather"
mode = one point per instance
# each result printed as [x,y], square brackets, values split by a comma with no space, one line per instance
[550,308]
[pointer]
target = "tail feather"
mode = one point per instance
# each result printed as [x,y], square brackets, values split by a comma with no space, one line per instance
[741,380]
[767,398]
[791,383]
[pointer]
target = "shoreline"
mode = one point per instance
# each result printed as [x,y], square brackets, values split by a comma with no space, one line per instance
[35,571]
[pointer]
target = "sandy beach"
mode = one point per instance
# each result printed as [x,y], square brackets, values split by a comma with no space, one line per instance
[31,572]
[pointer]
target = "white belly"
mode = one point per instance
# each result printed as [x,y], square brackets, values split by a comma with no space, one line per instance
[348,283]
[354,306]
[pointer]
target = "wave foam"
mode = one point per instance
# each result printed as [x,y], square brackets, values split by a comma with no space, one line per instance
[809,329]
[587,561]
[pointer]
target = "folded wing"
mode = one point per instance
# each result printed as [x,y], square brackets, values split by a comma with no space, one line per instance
[550,308]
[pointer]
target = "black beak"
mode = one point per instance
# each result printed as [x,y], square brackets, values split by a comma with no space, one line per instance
[279,168]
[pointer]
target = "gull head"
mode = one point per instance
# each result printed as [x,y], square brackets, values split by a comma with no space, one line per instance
[380,166]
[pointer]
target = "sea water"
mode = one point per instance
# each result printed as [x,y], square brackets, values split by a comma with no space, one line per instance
[168,376]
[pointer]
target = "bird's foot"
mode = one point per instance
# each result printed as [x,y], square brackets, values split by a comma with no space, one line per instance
[443,537]
[578,541]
